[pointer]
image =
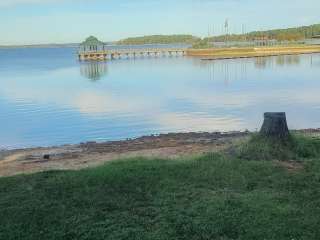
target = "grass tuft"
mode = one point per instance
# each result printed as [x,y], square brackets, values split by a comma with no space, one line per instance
[296,147]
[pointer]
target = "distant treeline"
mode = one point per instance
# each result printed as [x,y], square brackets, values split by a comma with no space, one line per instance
[159,39]
[288,34]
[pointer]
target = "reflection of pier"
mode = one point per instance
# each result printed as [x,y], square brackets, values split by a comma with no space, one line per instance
[93,70]
[93,49]
[127,53]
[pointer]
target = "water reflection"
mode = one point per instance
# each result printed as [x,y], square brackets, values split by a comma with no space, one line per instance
[288,60]
[261,62]
[237,70]
[226,70]
[93,70]
[314,61]
[154,95]
[282,60]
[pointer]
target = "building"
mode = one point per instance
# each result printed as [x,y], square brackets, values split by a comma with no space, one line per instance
[91,44]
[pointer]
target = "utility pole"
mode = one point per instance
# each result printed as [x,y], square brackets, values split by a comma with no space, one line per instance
[226,28]
[243,32]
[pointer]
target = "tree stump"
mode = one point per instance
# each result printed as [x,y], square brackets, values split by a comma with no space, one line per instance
[275,125]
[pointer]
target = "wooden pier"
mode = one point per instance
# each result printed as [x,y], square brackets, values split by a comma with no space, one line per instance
[129,53]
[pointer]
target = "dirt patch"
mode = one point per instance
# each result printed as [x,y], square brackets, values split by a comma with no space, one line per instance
[90,154]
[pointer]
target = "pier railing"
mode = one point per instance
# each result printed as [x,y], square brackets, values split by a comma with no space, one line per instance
[128,53]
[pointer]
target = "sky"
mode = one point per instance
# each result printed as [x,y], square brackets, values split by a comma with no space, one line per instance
[70,21]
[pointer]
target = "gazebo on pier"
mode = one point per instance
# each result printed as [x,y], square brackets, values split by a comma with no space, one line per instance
[93,49]
[91,44]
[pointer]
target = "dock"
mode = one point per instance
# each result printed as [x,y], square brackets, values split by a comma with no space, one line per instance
[129,53]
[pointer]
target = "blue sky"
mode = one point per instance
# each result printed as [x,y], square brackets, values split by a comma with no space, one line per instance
[61,21]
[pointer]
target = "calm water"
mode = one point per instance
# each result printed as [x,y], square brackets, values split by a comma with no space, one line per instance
[48,98]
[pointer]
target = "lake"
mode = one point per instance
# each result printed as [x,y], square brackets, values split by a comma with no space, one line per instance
[48,97]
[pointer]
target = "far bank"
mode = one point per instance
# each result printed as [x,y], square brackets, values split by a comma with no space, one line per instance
[247,52]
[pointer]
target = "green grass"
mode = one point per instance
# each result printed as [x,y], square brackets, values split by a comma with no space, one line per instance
[296,147]
[211,197]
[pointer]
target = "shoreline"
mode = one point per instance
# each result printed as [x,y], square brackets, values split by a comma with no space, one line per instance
[235,53]
[257,56]
[92,154]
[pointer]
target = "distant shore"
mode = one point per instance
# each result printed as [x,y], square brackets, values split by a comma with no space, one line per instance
[212,53]
[229,53]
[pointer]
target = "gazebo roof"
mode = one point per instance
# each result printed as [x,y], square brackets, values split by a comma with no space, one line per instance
[91,41]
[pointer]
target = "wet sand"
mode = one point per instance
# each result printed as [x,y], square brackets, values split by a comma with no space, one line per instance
[90,154]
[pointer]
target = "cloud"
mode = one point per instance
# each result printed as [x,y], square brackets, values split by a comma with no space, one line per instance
[99,103]
[196,122]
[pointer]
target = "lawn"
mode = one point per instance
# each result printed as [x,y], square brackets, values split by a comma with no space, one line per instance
[217,196]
